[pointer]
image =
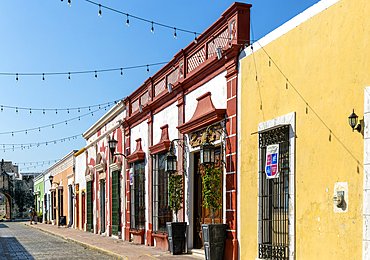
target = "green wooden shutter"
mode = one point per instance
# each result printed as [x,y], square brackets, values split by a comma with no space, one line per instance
[115,201]
[89,216]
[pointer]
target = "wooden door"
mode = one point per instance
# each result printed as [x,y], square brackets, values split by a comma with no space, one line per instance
[83,211]
[201,214]
[77,210]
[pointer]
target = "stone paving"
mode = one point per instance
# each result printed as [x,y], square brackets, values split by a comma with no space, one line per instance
[43,241]
[18,241]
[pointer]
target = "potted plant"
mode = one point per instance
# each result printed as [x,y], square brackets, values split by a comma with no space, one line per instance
[176,230]
[214,234]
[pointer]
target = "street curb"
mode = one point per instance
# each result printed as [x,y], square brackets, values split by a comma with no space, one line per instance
[90,247]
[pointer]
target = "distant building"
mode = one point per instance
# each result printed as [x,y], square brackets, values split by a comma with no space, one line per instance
[17,192]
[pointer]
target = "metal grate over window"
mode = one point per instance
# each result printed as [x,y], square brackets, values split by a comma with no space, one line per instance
[274,198]
[161,210]
[138,197]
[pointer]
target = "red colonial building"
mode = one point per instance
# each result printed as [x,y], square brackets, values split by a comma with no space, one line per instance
[196,90]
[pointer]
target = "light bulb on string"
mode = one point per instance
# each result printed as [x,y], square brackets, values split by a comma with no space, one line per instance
[121,73]
[39,129]
[52,126]
[43,111]
[69,3]
[69,76]
[152,30]
[56,111]
[16,110]
[16,77]
[96,75]
[89,109]
[43,77]
[127,21]
[195,38]
[78,110]
[68,110]
[92,114]
[99,14]
[175,35]
[30,111]
[2,109]
[79,119]
[147,69]
[66,122]
[12,136]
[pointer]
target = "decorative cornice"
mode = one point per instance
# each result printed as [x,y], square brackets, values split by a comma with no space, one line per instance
[115,166]
[205,114]
[163,144]
[138,155]
[100,167]
[61,161]
[106,118]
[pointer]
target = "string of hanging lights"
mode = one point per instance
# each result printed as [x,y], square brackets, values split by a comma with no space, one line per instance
[53,125]
[69,73]
[34,163]
[44,110]
[13,147]
[128,16]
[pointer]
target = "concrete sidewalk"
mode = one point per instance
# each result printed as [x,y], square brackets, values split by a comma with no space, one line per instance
[116,248]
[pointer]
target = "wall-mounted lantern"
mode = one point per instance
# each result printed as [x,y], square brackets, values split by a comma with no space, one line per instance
[51,180]
[207,151]
[170,161]
[353,122]
[112,144]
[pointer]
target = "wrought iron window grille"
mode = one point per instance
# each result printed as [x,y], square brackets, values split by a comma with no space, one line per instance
[274,198]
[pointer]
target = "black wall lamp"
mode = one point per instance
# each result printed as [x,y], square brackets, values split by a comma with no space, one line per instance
[207,151]
[170,161]
[353,122]
[51,181]
[112,147]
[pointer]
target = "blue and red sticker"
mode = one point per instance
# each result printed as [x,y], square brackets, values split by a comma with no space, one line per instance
[272,155]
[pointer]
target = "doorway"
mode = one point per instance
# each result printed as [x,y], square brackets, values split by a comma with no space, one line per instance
[5,206]
[77,210]
[201,214]
[102,206]
[83,199]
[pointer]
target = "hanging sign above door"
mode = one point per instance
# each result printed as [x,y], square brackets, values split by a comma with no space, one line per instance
[272,165]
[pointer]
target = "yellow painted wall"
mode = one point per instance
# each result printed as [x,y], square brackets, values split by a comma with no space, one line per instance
[327,59]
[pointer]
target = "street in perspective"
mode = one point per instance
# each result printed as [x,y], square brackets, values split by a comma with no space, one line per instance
[182,130]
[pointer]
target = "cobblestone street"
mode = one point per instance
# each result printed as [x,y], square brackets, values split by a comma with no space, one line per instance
[18,241]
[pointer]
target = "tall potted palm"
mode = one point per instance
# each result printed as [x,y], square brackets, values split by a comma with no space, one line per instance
[176,230]
[214,234]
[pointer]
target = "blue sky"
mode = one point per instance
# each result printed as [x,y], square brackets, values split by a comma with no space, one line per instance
[48,36]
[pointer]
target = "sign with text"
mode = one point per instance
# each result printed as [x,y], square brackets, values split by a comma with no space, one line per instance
[131,176]
[272,159]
